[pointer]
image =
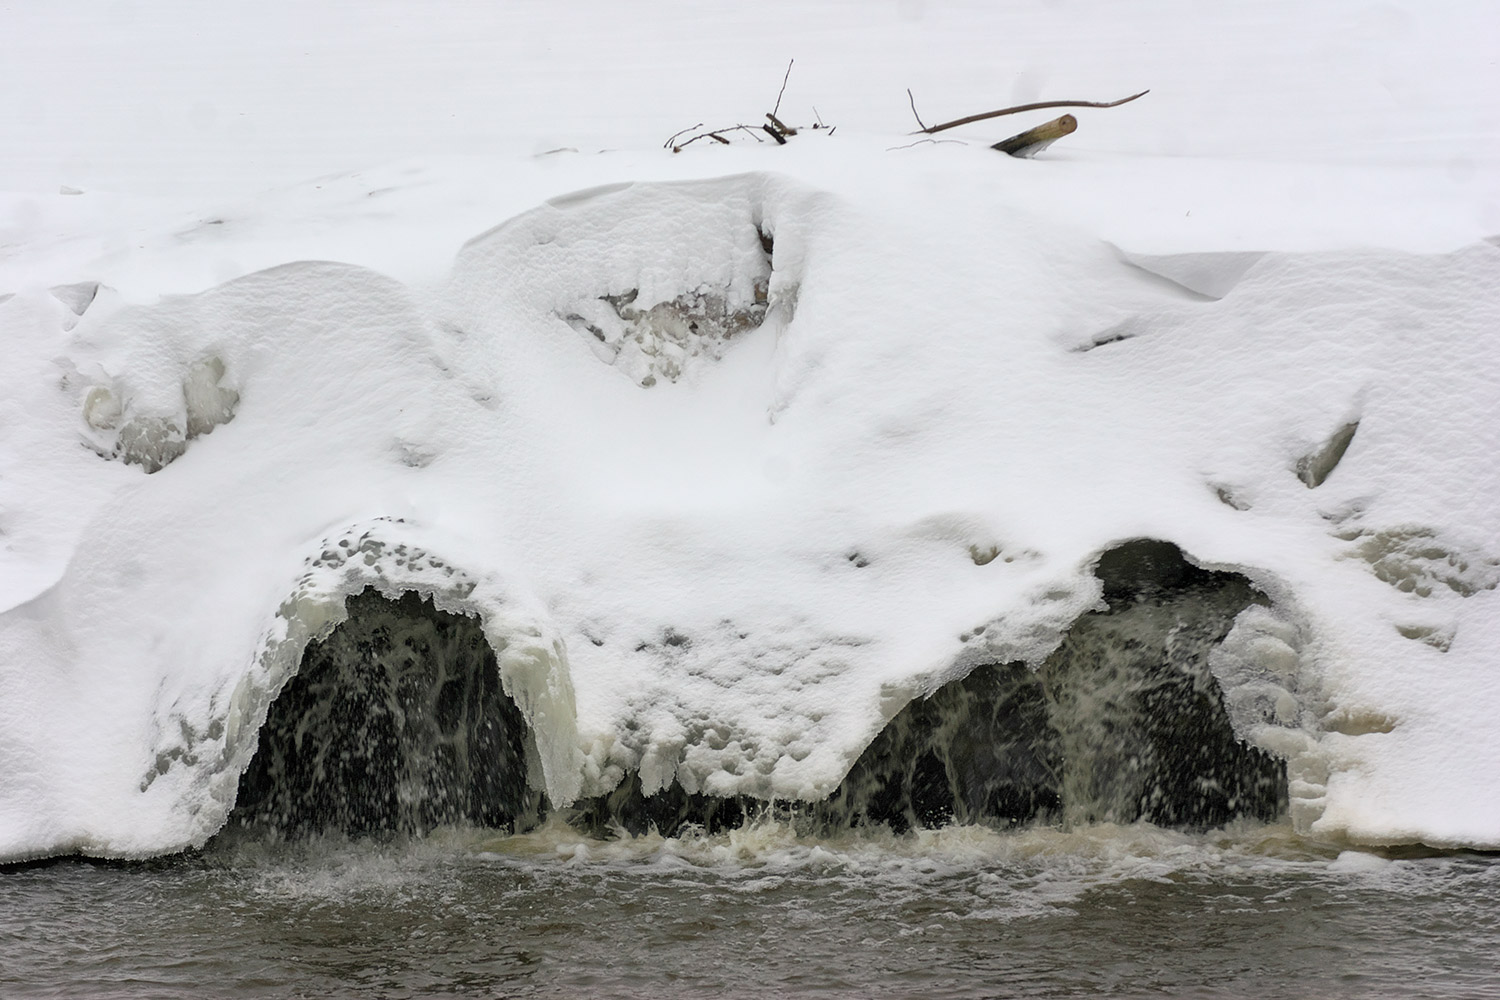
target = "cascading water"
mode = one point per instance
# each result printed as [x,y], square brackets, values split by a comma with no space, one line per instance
[395,722]
[982,749]
[1141,724]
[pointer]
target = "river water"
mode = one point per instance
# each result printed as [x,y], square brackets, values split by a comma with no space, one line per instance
[760,911]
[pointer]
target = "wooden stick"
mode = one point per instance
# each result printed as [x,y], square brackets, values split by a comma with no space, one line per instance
[1027,107]
[1034,140]
[782,127]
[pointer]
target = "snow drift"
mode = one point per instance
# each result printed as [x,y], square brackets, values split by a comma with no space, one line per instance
[730,472]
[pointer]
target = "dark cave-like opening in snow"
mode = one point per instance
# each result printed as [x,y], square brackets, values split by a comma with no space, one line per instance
[1124,721]
[395,723]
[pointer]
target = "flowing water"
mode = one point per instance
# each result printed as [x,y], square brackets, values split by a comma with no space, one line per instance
[760,912]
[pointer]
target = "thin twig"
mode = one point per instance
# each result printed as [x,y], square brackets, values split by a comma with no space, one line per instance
[919,142]
[744,128]
[818,117]
[684,145]
[713,133]
[783,86]
[1026,107]
[668,143]
[914,114]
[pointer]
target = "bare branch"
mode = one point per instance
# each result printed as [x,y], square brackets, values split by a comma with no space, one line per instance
[684,145]
[914,114]
[1026,107]
[714,134]
[780,139]
[668,143]
[781,126]
[783,85]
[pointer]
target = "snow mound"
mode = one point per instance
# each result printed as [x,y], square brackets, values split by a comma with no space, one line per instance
[712,276]
[900,445]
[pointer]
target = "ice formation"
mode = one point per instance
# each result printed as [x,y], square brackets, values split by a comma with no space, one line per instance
[751,488]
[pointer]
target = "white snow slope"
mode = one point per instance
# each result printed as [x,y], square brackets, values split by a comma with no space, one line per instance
[724,511]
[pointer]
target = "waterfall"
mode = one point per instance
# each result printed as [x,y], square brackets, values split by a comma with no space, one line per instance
[395,722]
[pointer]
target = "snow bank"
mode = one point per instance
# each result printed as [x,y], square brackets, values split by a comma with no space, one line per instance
[733,469]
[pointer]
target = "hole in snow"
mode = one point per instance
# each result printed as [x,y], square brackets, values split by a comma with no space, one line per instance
[1315,467]
[656,279]
[1123,722]
[123,427]
[657,342]
[395,723]
[1438,638]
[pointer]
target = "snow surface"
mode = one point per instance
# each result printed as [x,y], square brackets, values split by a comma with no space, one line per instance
[971,376]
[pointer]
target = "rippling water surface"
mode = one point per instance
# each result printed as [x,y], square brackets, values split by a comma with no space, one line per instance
[761,912]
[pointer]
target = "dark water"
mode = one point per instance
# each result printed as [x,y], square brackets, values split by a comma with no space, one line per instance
[761,912]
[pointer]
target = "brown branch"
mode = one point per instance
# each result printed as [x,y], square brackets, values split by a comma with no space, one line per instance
[684,145]
[914,114]
[783,85]
[781,126]
[1026,107]
[780,139]
[713,133]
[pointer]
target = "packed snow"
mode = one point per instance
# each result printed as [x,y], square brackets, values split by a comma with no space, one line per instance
[735,451]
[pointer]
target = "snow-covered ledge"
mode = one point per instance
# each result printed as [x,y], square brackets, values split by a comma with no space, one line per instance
[907,432]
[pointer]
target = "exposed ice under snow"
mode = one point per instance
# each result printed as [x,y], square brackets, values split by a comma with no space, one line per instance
[736,452]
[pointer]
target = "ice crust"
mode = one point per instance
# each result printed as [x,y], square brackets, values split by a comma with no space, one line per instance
[904,468]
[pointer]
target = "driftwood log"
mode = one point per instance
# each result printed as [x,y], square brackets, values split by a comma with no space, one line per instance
[1034,140]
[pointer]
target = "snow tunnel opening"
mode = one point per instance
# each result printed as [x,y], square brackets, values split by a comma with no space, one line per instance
[1123,722]
[395,723]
